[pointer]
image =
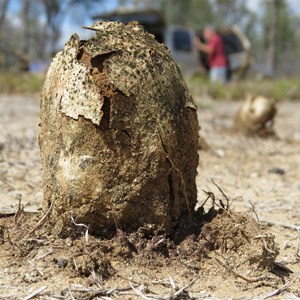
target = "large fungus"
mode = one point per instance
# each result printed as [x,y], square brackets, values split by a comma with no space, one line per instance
[119,133]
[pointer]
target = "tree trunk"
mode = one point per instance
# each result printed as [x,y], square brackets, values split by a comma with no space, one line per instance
[24,55]
[271,61]
[119,133]
[3,10]
[52,30]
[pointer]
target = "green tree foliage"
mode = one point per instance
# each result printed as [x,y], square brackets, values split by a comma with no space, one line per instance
[46,18]
[192,13]
[228,12]
[36,29]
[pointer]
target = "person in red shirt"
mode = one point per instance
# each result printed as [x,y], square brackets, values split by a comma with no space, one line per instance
[216,55]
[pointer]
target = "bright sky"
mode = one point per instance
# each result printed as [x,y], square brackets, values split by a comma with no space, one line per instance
[71,27]
[255,5]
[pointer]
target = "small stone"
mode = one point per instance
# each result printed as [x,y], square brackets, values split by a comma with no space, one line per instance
[220,152]
[277,170]
[69,242]
[61,262]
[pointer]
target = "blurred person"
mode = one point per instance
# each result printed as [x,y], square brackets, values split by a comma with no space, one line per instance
[214,48]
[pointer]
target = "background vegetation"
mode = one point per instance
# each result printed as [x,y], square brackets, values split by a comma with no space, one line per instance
[31,31]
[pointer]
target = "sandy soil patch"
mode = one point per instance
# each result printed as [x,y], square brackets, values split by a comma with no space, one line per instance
[260,177]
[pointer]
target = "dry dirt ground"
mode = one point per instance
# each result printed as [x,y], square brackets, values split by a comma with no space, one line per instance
[260,176]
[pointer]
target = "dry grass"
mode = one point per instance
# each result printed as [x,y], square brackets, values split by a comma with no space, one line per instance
[25,83]
[199,85]
[278,89]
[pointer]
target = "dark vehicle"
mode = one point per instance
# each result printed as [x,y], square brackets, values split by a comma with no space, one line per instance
[180,40]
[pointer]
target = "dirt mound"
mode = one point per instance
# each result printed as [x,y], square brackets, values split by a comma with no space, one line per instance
[238,240]
[232,241]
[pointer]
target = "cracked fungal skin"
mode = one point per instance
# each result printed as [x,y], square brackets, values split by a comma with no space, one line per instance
[119,133]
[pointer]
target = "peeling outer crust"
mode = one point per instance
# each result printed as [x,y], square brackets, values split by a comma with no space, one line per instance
[101,25]
[130,60]
[80,96]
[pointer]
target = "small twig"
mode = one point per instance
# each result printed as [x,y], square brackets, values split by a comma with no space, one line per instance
[126,279]
[286,243]
[35,268]
[12,243]
[20,208]
[71,294]
[161,282]
[254,211]
[211,196]
[57,296]
[115,222]
[159,242]
[234,199]
[279,291]
[96,279]
[195,268]
[291,297]
[139,293]
[75,264]
[44,255]
[40,222]
[239,275]
[188,263]
[82,225]
[204,200]
[172,283]
[38,291]
[297,250]
[225,196]
[185,287]
[262,237]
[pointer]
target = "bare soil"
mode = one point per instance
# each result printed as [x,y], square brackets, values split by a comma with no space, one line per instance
[226,255]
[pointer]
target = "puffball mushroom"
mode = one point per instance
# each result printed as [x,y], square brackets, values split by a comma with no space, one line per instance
[256,115]
[119,133]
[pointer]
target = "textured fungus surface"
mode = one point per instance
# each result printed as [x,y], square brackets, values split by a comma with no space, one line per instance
[119,133]
[256,116]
